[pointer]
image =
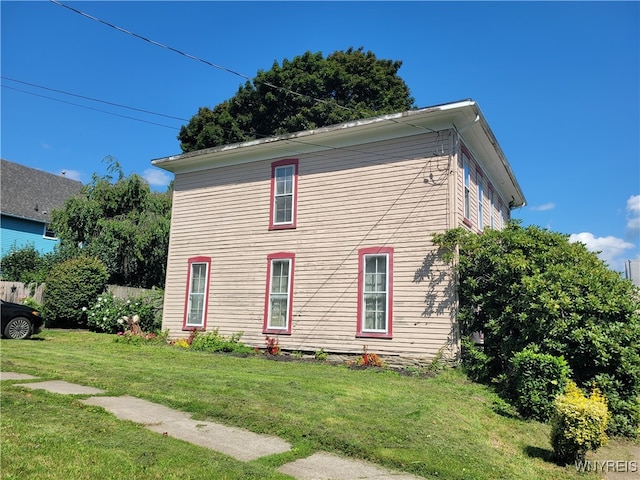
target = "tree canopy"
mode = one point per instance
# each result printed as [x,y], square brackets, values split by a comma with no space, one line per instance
[310,91]
[123,223]
[532,288]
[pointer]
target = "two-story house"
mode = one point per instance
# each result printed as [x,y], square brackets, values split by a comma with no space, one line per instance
[27,198]
[323,237]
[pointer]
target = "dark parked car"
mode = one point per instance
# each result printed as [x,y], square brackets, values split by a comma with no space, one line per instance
[19,321]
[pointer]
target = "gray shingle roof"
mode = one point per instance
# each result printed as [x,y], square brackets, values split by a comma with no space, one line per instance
[29,193]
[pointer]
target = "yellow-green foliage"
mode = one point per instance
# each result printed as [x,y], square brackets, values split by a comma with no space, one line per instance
[181,342]
[579,423]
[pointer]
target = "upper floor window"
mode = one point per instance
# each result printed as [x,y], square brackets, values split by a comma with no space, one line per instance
[493,207]
[467,186]
[284,192]
[480,204]
[195,311]
[278,297]
[375,298]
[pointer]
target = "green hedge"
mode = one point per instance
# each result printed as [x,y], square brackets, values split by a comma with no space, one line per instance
[71,285]
[534,381]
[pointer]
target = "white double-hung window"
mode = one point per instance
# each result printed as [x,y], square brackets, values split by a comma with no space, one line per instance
[279,293]
[284,186]
[375,283]
[197,293]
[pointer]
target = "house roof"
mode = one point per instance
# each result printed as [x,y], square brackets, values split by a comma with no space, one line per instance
[464,116]
[32,194]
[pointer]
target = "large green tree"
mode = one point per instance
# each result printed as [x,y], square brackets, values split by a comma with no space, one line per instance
[119,220]
[307,92]
[532,288]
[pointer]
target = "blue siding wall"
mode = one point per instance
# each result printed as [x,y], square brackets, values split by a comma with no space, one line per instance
[19,232]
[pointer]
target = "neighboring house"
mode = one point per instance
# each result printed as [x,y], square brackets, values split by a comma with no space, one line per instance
[632,271]
[323,238]
[27,197]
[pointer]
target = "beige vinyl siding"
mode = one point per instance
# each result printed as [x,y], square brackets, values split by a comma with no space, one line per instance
[393,194]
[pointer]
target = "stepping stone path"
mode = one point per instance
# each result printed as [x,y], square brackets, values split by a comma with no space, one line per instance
[235,442]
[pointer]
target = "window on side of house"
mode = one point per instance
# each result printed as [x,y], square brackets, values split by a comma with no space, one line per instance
[467,187]
[493,207]
[284,193]
[375,292]
[195,310]
[279,293]
[480,203]
[49,233]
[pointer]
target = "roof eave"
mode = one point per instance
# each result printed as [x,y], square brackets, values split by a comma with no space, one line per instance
[464,116]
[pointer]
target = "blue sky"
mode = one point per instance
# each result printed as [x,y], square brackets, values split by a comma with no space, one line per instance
[558,82]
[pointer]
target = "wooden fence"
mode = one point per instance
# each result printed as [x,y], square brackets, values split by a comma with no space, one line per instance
[16,291]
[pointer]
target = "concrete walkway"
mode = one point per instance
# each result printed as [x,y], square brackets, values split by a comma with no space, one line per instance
[237,443]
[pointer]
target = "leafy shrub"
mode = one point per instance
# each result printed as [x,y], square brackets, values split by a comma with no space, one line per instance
[33,303]
[214,342]
[321,355]
[523,286]
[625,409]
[474,360]
[535,380]
[578,423]
[71,285]
[107,312]
[24,265]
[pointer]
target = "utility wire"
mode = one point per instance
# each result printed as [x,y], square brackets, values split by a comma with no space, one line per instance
[225,69]
[92,99]
[198,59]
[89,108]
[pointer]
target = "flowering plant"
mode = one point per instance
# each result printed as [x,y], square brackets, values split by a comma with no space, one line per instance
[111,315]
[369,359]
[141,338]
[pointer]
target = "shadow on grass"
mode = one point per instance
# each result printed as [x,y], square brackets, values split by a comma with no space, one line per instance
[545,454]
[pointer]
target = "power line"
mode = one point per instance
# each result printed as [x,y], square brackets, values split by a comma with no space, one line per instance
[233,72]
[193,57]
[92,99]
[225,69]
[89,108]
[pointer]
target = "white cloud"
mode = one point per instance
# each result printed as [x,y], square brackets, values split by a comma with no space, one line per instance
[157,178]
[544,207]
[633,213]
[611,248]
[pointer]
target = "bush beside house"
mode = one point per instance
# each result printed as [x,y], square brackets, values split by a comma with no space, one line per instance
[71,285]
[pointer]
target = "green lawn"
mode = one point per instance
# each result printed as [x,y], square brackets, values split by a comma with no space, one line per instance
[444,427]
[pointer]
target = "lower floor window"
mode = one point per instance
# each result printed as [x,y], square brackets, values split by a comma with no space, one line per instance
[197,292]
[278,296]
[375,282]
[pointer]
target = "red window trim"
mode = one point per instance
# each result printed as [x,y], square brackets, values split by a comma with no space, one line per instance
[191,261]
[294,206]
[267,294]
[359,323]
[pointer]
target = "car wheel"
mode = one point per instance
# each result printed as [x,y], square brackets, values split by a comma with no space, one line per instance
[18,328]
